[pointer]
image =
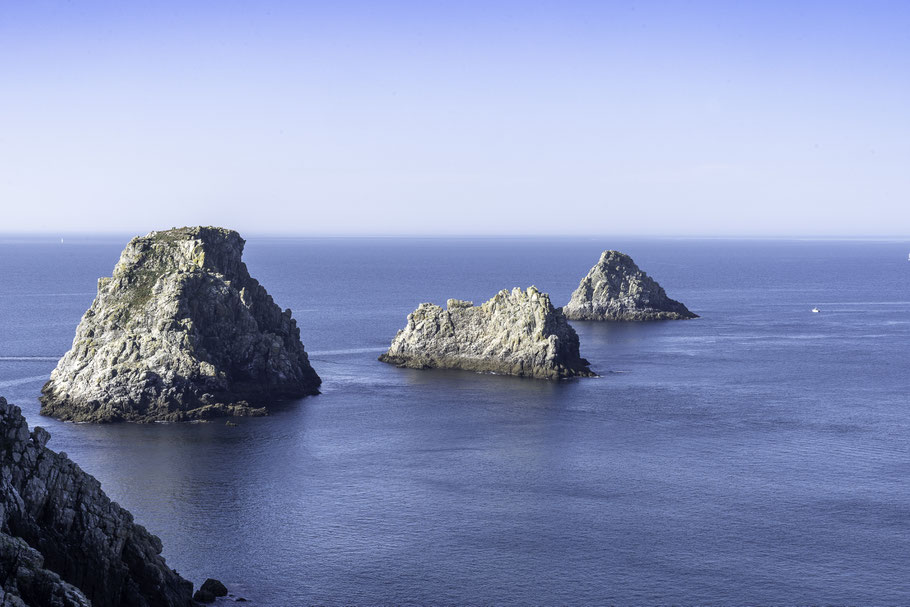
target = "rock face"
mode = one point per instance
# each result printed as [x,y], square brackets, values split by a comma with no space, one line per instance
[180,331]
[616,289]
[63,542]
[515,333]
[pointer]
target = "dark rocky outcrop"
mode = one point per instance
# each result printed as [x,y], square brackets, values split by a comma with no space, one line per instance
[515,333]
[204,596]
[616,289]
[180,331]
[63,542]
[214,586]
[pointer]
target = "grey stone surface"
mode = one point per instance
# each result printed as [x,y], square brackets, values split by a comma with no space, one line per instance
[180,331]
[515,333]
[63,542]
[616,289]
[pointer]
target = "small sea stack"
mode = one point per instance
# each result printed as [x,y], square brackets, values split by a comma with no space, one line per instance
[181,331]
[63,542]
[617,290]
[517,332]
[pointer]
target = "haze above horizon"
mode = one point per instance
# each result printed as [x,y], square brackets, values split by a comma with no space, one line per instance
[503,118]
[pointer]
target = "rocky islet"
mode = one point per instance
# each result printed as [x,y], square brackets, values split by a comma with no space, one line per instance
[517,332]
[180,331]
[615,289]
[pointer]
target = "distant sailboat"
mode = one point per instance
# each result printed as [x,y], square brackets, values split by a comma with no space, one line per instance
[815,310]
[61,241]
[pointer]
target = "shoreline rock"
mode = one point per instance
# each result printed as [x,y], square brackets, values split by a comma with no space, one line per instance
[179,332]
[209,591]
[615,289]
[63,542]
[514,333]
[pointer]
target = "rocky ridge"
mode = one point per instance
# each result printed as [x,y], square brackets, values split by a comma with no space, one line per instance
[180,331]
[514,333]
[617,290]
[63,542]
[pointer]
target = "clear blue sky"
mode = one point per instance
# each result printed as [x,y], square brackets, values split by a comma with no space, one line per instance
[648,118]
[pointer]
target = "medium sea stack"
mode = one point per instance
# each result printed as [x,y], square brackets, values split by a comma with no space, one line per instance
[616,289]
[180,332]
[515,333]
[63,542]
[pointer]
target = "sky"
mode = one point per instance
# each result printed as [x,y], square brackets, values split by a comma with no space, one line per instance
[456,118]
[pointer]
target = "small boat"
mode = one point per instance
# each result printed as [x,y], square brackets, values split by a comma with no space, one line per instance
[815,310]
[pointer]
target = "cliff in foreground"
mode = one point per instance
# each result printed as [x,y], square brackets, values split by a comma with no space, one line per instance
[63,542]
[515,333]
[180,331]
[616,289]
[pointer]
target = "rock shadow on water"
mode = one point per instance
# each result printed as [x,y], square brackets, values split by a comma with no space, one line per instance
[597,335]
[458,380]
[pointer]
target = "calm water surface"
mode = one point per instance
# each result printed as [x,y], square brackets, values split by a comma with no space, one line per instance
[759,454]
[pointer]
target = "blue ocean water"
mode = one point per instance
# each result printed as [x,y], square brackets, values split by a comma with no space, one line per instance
[757,455]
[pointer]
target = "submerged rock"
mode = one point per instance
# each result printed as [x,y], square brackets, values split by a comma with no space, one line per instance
[180,331]
[515,333]
[63,542]
[616,289]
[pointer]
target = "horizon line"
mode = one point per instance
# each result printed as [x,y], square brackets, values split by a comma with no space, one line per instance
[463,236]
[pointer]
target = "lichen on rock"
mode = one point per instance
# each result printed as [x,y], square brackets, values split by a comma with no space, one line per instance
[180,331]
[514,333]
[617,290]
[63,542]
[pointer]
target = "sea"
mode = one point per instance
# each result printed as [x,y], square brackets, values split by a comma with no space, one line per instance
[757,455]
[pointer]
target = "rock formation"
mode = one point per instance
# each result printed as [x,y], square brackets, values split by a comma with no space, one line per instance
[616,289]
[180,331]
[214,586]
[210,590]
[515,333]
[63,542]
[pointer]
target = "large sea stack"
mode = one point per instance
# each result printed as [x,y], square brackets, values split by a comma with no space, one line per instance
[515,333]
[616,289]
[179,332]
[63,542]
